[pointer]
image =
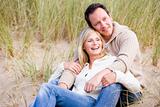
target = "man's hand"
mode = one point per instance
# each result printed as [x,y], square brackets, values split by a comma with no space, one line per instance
[63,85]
[73,66]
[109,79]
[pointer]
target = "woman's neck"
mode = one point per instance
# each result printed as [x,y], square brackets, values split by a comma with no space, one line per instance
[93,58]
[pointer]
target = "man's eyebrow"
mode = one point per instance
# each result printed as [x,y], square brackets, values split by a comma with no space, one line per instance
[96,23]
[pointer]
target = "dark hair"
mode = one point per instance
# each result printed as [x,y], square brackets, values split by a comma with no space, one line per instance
[91,8]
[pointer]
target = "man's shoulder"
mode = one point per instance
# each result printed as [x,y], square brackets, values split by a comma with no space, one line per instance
[123,31]
[119,28]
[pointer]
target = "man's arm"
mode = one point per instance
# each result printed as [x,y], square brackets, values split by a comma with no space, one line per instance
[67,79]
[128,49]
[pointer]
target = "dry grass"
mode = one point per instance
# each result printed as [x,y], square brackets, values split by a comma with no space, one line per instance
[55,20]
[21,88]
[30,42]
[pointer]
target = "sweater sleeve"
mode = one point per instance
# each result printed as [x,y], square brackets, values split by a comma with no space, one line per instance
[58,72]
[128,80]
[128,49]
[68,78]
[64,76]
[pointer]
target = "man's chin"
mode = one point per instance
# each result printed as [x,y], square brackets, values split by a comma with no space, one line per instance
[105,34]
[106,37]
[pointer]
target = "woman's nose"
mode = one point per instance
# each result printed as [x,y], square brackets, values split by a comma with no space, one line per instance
[94,42]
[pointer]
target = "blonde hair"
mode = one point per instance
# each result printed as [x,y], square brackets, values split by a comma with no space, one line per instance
[82,55]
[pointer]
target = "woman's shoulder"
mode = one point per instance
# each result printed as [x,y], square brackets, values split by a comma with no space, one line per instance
[109,58]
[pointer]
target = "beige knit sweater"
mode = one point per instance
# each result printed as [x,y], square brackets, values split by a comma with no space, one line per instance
[124,44]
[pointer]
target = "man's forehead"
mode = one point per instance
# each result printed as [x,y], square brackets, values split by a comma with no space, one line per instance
[99,12]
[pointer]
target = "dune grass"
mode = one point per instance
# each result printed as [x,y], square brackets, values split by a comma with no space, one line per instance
[53,20]
[50,21]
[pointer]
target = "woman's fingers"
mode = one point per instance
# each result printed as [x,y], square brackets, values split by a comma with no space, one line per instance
[89,87]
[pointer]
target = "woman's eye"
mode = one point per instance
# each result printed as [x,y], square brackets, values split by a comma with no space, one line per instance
[98,39]
[89,40]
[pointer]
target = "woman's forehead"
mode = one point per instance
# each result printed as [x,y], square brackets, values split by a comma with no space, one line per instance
[92,35]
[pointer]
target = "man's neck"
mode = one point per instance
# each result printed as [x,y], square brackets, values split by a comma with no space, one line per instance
[107,39]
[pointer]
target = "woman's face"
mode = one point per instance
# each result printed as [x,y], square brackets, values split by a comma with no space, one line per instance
[93,44]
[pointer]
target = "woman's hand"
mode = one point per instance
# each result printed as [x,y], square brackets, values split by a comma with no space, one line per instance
[73,66]
[95,81]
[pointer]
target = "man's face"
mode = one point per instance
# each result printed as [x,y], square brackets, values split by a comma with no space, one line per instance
[102,22]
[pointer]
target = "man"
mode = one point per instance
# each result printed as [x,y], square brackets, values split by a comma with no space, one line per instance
[121,42]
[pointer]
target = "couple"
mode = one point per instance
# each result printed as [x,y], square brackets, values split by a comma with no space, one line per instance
[104,79]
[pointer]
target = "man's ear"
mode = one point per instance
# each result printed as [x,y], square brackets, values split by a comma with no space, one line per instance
[111,17]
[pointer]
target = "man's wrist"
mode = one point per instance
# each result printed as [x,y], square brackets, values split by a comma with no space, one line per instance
[104,72]
[107,71]
[63,85]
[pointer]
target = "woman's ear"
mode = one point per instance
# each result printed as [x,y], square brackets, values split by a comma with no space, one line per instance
[84,48]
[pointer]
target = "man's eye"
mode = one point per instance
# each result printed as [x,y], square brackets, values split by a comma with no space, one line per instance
[104,19]
[96,24]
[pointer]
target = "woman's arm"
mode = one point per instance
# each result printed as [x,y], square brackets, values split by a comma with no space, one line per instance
[95,81]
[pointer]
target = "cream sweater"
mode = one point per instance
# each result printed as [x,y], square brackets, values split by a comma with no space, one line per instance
[127,79]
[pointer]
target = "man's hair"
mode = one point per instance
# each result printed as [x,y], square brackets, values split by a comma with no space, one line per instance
[91,8]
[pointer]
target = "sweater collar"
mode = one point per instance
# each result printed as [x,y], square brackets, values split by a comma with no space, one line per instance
[118,29]
[99,60]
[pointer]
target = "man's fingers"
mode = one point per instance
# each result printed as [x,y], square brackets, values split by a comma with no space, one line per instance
[77,68]
[74,70]
[73,66]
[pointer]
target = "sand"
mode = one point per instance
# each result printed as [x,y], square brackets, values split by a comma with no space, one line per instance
[18,90]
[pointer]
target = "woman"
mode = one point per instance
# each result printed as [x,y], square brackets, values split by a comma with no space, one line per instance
[93,58]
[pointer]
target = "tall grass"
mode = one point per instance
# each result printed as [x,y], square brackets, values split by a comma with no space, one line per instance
[49,21]
[52,20]
[5,40]
[143,17]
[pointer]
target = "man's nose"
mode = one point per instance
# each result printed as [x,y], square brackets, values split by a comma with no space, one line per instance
[102,23]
